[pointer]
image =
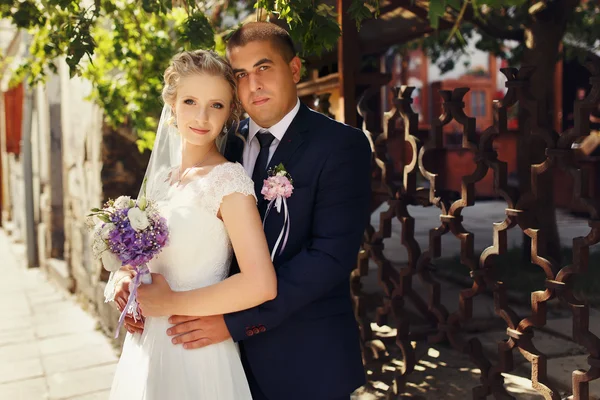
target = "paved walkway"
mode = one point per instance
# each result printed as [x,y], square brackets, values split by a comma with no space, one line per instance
[49,347]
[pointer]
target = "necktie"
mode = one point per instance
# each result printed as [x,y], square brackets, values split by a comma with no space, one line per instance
[260,167]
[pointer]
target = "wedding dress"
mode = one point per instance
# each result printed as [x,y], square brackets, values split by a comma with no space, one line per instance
[198,254]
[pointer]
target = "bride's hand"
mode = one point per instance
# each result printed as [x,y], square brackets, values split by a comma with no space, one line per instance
[155,299]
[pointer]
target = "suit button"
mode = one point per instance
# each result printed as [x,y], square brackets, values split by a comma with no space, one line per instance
[249,332]
[263,329]
[256,330]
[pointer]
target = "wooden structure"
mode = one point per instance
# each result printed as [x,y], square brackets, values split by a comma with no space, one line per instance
[12,119]
[13,109]
[340,74]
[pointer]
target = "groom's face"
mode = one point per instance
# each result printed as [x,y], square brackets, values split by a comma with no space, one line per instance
[266,81]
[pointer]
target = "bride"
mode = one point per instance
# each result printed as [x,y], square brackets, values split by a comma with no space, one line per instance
[210,206]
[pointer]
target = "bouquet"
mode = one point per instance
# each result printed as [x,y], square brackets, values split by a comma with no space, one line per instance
[128,232]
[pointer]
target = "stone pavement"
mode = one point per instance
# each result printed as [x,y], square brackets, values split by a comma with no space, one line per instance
[49,347]
[445,374]
[441,364]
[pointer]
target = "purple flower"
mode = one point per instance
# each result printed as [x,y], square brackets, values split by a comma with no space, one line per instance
[137,248]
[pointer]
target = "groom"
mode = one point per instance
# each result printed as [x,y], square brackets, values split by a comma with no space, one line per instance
[303,345]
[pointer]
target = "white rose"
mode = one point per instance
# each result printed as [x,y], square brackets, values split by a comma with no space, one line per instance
[138,219]
[281,173]
[110,261]
[122,202]
[106,229]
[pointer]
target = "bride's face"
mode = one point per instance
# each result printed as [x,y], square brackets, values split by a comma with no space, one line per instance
[202,107]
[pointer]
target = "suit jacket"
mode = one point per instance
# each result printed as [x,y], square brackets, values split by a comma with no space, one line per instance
[304,344]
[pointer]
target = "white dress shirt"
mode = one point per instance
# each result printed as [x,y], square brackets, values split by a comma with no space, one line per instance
[252,147]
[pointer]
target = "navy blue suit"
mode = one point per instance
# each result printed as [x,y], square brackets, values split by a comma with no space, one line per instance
[304,344]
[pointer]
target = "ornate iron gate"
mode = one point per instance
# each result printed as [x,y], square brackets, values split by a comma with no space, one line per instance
[397,283]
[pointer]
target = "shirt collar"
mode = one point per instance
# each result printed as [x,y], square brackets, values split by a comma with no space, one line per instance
[277,130]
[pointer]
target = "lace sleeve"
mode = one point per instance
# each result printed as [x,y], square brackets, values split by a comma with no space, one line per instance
[230,178]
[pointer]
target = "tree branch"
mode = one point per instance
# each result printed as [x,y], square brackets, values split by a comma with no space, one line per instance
[485,26]
[489,28]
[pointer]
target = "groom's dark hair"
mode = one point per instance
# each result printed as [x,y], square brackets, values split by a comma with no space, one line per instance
[263,32]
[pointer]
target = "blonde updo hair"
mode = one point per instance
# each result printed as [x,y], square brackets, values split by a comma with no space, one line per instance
[208,62]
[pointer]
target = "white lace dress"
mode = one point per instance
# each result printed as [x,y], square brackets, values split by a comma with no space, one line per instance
[198,254]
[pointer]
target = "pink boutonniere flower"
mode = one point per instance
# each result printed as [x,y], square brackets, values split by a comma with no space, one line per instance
[276,189]
[279,185]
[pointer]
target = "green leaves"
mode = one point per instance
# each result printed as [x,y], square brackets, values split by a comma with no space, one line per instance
[326,11]
[437,9]
[25,14]
[316,32]
[456,4]
[123,47]
[156,6]
[132,51]
[506,17]
[359,11]
[143,202]
[103,218]
[281,171]
[583,31]
[196,32]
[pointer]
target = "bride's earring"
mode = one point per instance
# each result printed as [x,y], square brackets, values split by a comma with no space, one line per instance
[172,120]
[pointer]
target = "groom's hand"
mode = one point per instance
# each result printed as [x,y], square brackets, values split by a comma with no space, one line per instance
[196,332]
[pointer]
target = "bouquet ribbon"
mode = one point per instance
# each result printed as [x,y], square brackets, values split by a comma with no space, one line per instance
[142,275]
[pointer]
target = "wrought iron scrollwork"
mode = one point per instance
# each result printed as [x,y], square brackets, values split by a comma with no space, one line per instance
[399,190]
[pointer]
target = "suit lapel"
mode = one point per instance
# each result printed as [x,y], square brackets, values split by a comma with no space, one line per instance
[292,140]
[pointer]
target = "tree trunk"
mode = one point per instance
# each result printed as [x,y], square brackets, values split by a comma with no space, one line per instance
[543,36]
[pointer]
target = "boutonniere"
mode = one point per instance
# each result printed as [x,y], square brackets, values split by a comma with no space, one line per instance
[278,187]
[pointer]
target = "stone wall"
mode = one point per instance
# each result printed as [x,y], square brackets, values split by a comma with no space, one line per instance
[16,194]
[66,146]
[77,163]
[97,164]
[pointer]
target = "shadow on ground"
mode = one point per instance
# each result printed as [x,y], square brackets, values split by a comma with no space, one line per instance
[441,373]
